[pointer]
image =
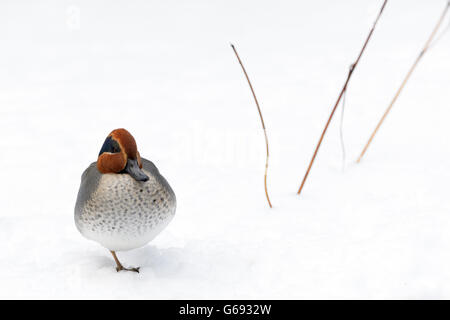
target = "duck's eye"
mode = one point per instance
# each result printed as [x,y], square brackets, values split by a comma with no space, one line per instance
[110,145]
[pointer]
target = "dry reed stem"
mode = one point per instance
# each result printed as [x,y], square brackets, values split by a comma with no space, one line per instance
[352,68]
[262,122]
[421,54]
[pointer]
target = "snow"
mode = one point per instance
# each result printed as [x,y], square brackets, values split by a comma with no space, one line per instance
[71,71]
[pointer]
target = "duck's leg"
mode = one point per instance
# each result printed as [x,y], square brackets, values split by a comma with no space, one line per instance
[119,265]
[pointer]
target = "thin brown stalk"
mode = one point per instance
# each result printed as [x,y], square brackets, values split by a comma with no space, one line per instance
[262,122]
[421,54]
[344,88]
[341,131]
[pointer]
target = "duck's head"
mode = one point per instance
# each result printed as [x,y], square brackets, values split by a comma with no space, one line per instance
[119,155]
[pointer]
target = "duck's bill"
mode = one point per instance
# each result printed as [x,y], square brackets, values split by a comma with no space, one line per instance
[132,168]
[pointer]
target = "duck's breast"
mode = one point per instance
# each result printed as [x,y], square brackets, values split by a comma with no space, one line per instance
[120,212]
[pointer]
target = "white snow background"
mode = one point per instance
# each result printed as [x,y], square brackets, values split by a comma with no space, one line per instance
[72,71]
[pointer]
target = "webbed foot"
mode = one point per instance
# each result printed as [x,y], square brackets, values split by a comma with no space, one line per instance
[120,268]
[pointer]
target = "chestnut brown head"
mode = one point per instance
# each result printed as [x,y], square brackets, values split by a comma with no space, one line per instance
[119,155]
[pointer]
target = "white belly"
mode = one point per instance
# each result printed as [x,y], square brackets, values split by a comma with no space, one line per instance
[122,241]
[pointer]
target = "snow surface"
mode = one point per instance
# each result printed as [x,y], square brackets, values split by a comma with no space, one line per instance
[71,71]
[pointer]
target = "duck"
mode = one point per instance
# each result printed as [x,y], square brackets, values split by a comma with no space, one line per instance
[123,201]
